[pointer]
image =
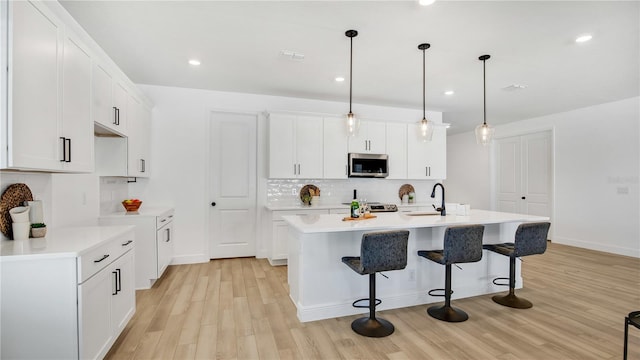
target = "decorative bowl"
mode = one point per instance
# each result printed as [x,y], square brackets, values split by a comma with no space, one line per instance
[131,205]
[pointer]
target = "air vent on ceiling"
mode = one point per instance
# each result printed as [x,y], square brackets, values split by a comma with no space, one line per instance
[292,55]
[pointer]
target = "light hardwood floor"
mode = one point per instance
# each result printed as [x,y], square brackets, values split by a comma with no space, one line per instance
[240,309]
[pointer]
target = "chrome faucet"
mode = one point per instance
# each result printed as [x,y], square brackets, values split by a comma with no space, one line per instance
[443,211]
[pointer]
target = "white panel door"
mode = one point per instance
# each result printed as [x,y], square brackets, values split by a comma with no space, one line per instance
[524,174]
[509,174]
[233,185]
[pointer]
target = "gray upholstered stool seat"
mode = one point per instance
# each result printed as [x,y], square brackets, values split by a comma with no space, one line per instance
[530,239]
[462,244]
[632,319]
[379,251]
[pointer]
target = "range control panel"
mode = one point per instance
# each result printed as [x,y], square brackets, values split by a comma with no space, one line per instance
[383,208]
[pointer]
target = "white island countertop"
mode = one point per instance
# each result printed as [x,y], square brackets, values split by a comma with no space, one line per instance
[309,224]
[62,242]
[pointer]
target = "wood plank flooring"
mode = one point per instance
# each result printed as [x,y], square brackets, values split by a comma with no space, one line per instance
[240,309]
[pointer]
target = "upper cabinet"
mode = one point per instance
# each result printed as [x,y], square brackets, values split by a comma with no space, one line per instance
[335,148]
[427,159]
[397,150]
[49,84]
[371,138]
[295,146]
[109,102]
[59,84]
[138,144]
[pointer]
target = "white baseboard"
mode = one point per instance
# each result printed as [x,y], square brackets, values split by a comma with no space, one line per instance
[619,250]
[189,259]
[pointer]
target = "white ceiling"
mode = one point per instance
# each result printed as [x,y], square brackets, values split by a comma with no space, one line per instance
[531,43]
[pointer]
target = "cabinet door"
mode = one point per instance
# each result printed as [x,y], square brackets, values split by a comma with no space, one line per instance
[427,159]
[309,142]
[135,163]
[144,139]
[77,127]
[120,102]
[104,112]
[94,301]
[123,299]
[397,150]
[281,146]
[34,83]
[376,133]
[164,238]
[359,143]
[335,149]
[279,244]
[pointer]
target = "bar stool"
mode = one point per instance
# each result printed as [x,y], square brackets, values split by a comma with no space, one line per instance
[530,239]
[462,244]
[632,319]
[379,251]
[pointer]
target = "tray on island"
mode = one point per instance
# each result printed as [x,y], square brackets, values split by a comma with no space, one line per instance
[365,217]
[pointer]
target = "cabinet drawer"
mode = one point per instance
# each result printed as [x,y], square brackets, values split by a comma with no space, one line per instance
[164,219]
[97,259]
[277,215]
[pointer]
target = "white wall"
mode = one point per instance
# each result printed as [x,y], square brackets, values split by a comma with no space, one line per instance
[178,167]
[596,164]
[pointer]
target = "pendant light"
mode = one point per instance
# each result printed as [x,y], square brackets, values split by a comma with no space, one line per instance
[425,126]
[353,123]
[484,132]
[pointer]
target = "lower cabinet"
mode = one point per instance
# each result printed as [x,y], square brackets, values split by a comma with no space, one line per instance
[154,242]
[68,297]
[107,302]
[278,251]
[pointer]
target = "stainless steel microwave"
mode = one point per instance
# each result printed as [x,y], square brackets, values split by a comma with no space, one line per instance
[368,165]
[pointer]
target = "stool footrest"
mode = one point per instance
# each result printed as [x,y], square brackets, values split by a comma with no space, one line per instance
[441,295]
[501,279]
[355,303]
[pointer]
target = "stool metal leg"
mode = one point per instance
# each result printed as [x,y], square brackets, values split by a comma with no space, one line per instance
[372,326]
[511,300]
[447,312]
[626,336]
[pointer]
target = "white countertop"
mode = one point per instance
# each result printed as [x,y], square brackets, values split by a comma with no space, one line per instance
[300,206]
[63,242]
[398,220]
[142,211]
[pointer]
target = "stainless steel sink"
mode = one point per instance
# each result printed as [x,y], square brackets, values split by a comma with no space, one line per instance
[421,213]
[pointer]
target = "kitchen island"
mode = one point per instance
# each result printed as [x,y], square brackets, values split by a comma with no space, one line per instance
[322,287]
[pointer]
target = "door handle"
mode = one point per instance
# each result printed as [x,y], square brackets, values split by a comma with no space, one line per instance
[524,198]
[213,204]
[69,150]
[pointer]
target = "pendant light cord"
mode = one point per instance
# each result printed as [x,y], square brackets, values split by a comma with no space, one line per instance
[350,72]
[484,91]
[424,96]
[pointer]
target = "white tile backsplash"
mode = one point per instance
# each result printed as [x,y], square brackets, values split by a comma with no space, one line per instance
[287,192]
[112,191]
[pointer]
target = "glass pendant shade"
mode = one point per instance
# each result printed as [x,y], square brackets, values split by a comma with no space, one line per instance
[425,130]
[484,133]
[353,124]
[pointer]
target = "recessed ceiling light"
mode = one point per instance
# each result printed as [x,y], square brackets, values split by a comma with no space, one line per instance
[449,92]
[339,79]
[583,38]
[426,2]
[194,62]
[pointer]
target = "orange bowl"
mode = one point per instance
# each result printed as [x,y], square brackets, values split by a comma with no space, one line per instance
[132,206]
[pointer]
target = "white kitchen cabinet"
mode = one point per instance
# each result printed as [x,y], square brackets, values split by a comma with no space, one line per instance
[68,295]
[278,250]
[371,138]
[49,87]
[335,149]
[109,103]
[295,146]
[138,144]
[427,159]
[154,241]
[397,150]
